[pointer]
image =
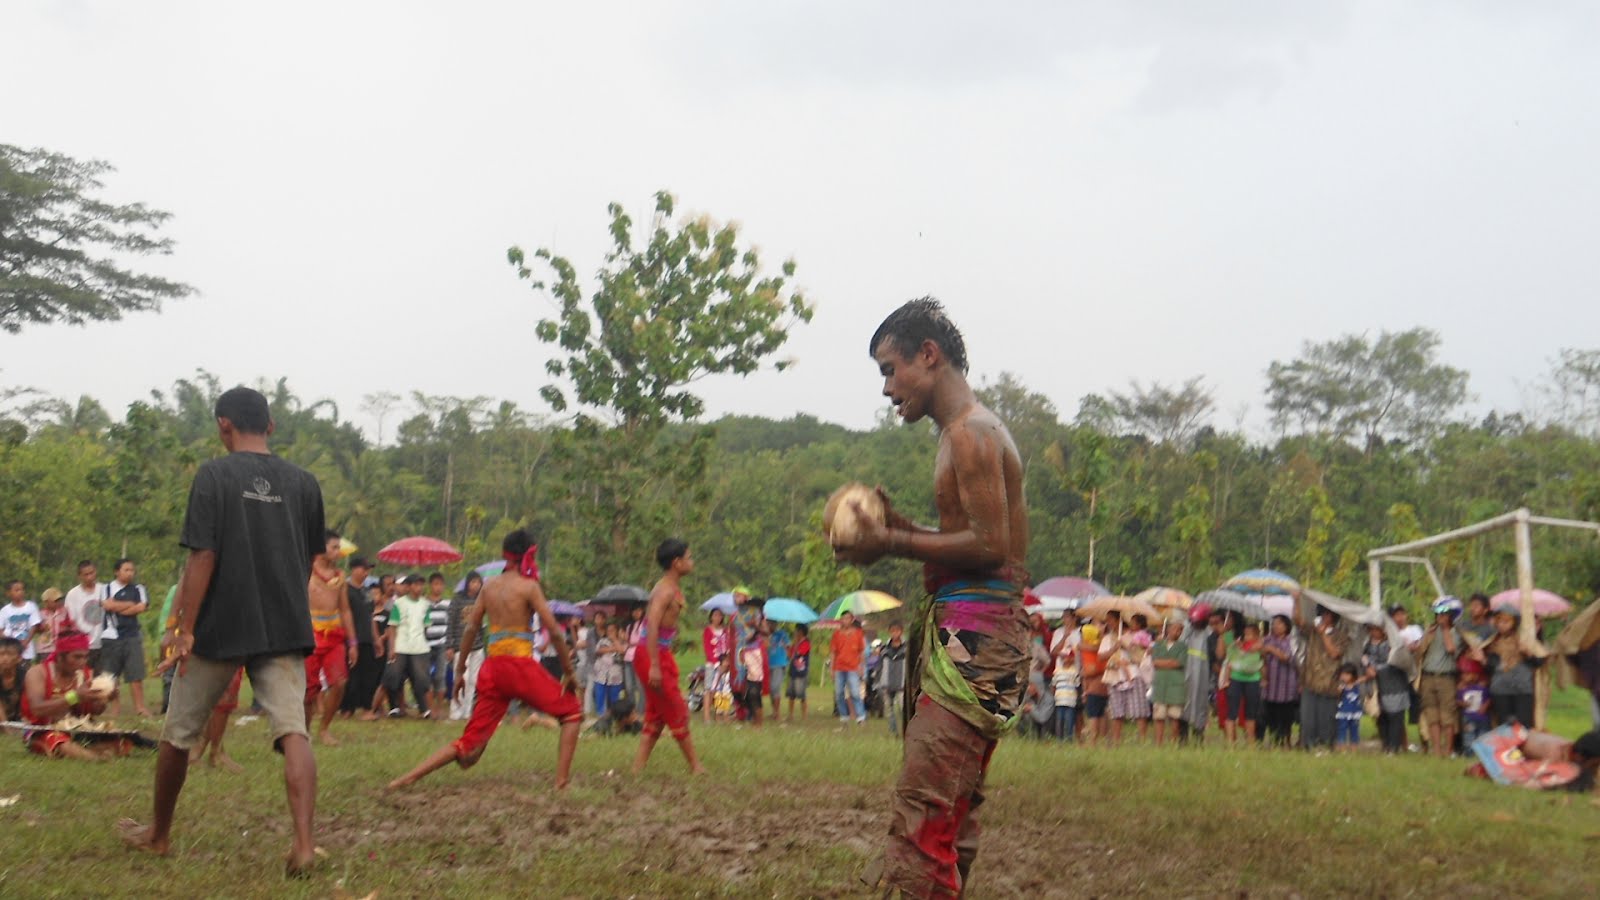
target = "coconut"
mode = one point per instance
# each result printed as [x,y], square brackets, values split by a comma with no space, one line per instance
[103,684]
[847,509]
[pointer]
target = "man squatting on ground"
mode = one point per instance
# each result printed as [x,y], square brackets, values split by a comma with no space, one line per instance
[968,656]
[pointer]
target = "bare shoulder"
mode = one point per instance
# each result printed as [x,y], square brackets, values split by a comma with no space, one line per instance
[979,432]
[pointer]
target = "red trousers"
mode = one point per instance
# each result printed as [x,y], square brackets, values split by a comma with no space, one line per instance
[664,707]
[503,679]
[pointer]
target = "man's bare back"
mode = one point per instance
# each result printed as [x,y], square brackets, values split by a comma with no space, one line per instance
[508,603]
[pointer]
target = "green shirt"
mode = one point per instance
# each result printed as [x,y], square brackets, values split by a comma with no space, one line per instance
[1244,665]
[1168,689]
[410,620]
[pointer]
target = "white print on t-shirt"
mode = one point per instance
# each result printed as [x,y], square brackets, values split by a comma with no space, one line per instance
[262,486]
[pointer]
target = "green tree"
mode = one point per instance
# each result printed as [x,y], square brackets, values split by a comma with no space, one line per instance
[688,304]
[1164,414]
[60,244]
[1351,388]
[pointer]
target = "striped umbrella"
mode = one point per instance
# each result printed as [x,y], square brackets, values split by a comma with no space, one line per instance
[1261,581]
[861,603]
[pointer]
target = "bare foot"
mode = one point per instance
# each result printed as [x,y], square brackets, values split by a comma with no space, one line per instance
[327,738]
[143,713]
[367,715]
[397,784]
[296,866]
[225,762]
[698,770]
[561,786]
[137,837]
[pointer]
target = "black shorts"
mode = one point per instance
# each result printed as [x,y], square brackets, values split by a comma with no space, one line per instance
[752,695]
[1094,706]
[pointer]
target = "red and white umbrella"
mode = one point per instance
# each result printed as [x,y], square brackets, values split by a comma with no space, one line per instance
[1545,603]
[419,551]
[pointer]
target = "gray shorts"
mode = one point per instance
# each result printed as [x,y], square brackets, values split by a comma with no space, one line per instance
[279,684]
[797,687]
[123,657]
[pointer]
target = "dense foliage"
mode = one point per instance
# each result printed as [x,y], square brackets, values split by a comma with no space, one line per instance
[75,483]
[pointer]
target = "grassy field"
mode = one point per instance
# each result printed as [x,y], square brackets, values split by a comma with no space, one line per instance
[795,811]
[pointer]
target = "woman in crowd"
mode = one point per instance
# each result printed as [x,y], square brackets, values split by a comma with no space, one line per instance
[1280,682]
[1511,662]
[1394,697]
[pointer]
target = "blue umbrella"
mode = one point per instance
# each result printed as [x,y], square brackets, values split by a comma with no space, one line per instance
[722,601]
[783,609]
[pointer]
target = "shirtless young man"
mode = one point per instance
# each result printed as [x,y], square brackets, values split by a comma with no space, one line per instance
[664,706]
[969,656]
[335,634]
[510,671]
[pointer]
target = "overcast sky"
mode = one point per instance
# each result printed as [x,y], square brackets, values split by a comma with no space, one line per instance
[1098,192]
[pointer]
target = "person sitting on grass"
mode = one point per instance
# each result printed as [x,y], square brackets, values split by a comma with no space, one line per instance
[60,688]
[1347,718]
[10,680]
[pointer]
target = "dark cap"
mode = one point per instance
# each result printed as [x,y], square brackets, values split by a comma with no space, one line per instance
[360,562]
[410,579]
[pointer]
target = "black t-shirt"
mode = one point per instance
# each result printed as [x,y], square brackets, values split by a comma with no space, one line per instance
[263,517]
[360,613]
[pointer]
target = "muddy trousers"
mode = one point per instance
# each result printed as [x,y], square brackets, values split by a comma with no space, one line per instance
[933,825]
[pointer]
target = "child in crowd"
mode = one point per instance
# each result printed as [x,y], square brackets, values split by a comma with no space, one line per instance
[1472,697]
[1095,693]
[1243,673]
[53,620]
[721,692]
[799,669]
[753,664]
[1347,721]
[1066,684]
[10,680]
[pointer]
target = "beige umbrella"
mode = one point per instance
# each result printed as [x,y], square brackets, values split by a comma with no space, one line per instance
[1127,606]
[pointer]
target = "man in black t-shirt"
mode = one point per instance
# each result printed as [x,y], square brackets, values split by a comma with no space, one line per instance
[253,525]
[369,667]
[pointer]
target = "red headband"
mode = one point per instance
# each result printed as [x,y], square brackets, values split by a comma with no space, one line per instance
[71,641]
[528,565]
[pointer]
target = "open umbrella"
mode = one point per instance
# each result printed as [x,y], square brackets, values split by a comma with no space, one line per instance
[861,603]
[563,608]
[621,595]
[1067,587]
[722,601]
[1545,603]
[1247,605]
[1126,606]
[784,609]
[1166,599]
[1261,581]
[486,571]
[419,551]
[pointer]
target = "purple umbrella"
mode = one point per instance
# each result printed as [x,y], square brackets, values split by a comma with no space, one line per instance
[488,570]
[1067,587]
[563,608]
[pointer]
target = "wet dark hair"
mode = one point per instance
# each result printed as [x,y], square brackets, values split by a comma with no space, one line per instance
[517,543]
[84,564]
[803,629]
[437,576]
[331,535]
[120,563]
[10,643]
[471,577]
[922,319]
[1351,669]
[1478,598]
[670,551]
[246,408]
[1288,626]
